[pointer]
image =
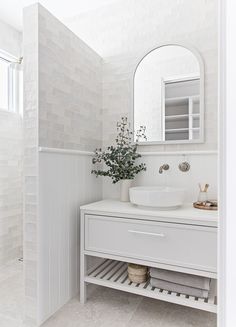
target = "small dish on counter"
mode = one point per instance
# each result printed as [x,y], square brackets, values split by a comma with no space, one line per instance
[206,205]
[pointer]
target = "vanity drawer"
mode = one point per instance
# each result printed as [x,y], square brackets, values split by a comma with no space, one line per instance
[182,245]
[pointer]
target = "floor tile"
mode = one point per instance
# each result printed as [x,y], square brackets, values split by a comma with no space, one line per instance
[106,307]
[154,313]
[11,293]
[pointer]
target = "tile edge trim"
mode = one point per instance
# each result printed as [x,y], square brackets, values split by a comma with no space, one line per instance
[146,153]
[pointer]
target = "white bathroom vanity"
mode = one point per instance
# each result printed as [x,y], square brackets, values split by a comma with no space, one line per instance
[182,240]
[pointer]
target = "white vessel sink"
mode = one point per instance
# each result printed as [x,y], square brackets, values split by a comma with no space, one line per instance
[158,197]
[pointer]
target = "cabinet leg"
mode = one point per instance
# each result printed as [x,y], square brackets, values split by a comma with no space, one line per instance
[83,285]
[83,292]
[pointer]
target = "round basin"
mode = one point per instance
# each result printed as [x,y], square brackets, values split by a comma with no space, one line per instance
[158,197]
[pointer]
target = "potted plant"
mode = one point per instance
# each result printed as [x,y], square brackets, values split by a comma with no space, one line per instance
[120,158]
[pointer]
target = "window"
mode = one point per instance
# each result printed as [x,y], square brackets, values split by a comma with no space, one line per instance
[10,83]
[4,70]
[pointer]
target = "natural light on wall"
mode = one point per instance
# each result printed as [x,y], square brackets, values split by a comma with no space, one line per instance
[11,78]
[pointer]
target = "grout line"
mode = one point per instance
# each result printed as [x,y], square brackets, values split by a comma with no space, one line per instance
[134,312]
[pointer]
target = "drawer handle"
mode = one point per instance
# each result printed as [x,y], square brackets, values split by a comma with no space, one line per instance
[146,233]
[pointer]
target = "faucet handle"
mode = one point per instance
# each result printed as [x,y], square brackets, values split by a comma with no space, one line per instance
[184,166]
[163,167]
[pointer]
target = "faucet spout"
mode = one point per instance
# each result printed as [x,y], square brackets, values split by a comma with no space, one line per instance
[163,167]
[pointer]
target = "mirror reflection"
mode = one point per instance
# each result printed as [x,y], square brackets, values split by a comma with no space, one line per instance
[167,95]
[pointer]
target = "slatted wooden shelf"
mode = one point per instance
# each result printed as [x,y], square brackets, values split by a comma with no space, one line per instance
[113,274]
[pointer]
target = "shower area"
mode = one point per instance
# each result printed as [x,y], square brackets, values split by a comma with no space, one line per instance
[11,190]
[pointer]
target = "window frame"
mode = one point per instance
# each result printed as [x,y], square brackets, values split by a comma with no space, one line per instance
[13,83]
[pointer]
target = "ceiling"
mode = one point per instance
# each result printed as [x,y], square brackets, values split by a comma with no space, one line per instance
[11,10]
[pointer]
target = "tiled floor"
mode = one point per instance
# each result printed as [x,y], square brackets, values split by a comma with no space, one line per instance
[11,294]
[106,308]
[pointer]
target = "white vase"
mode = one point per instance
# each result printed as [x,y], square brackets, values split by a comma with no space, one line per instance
[125,184]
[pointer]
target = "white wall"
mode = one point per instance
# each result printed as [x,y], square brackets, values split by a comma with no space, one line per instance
[70,88]
[11,152]
[62,111]
[121,33]
[65,183]
[10,40]
[227,264]
[203,170]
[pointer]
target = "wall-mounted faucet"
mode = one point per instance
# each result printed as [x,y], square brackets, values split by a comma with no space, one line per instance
[163,167]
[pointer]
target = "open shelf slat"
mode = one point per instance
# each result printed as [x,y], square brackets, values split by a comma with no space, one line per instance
[114,274]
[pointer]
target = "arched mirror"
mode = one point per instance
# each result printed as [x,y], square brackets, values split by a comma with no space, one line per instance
[168,96]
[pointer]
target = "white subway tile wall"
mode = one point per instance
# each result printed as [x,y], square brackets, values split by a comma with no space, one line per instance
[11,155]
[11,193]
[70,115]
[10,39]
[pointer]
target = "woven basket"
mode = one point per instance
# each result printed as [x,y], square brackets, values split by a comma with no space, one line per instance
[137,273]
